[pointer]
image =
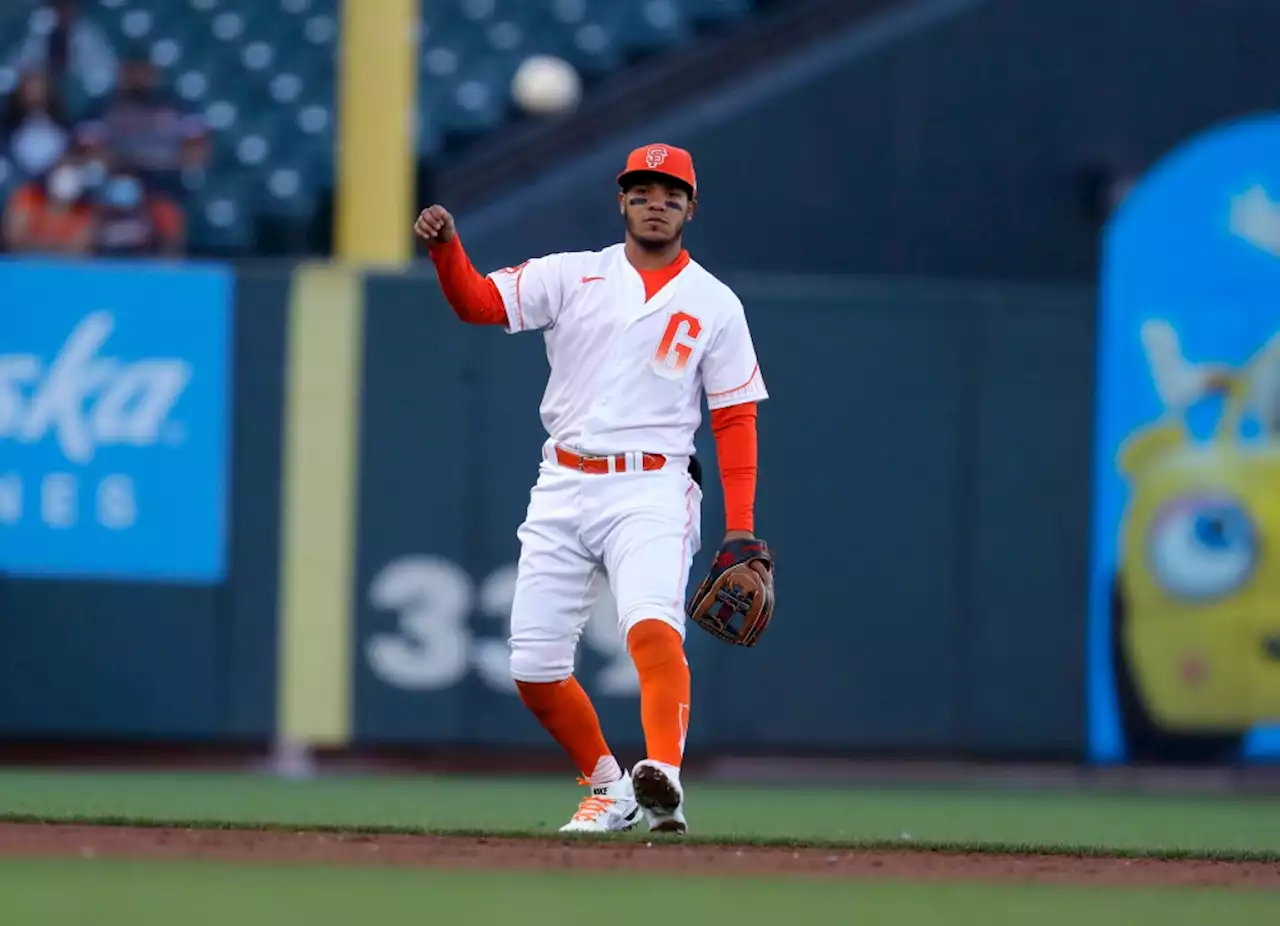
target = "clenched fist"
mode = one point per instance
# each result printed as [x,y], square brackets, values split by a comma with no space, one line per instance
[435,225]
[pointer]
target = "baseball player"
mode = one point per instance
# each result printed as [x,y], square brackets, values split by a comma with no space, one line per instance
[635,335]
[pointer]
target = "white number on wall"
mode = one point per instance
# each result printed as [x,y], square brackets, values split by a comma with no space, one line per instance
[435,646]
[432,598]
[493,654]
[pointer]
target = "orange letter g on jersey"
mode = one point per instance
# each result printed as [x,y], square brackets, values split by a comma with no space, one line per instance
[677,345]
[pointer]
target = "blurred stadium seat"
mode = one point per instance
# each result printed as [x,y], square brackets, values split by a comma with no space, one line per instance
[263,74]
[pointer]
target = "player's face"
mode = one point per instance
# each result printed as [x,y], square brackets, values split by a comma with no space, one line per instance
[655,212]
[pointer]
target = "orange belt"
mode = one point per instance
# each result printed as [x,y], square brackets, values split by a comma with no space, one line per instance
[600,464]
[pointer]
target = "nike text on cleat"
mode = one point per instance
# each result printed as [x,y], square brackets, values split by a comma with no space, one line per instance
[607,809]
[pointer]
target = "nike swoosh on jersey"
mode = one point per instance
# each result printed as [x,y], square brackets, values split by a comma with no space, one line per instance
[591,279]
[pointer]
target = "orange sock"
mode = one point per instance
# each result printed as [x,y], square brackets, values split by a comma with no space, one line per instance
[658,653]
[566,712]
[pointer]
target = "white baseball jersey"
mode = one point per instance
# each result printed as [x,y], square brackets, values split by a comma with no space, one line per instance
[626,374]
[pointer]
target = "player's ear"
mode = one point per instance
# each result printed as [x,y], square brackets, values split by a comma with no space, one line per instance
[693,207]
[622,205]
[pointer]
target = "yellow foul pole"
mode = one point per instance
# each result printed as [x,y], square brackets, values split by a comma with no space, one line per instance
[376,160]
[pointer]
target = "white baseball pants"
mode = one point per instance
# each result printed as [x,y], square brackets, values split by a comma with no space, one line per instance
[641,528]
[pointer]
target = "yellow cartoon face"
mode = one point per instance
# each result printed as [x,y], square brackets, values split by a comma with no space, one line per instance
[1200,580]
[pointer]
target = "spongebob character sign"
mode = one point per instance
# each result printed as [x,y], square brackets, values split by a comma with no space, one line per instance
[1184,641]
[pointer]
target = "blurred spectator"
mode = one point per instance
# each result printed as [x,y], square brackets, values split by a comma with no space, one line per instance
[51,215]
[144,131]
[34,130]
[62,42]
[134,221]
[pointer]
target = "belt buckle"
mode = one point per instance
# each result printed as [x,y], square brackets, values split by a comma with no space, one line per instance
[581,465]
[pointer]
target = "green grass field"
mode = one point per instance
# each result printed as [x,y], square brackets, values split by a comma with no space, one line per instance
[981,819]
[89,892]
[132,894]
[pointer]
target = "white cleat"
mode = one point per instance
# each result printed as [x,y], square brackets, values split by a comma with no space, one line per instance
[660,796]
[607,809]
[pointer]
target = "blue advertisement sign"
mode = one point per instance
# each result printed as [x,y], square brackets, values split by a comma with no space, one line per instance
[114,404]
[1184,627]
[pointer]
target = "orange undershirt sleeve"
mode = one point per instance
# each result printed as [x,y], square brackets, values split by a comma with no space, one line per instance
[734,429]
[473,297]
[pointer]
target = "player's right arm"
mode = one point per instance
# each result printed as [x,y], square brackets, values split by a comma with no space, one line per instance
[473,298]
[522,298]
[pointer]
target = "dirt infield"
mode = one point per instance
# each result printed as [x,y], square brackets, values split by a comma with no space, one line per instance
[73,841]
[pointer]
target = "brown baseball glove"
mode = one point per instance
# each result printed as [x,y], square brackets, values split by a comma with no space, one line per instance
[734,603]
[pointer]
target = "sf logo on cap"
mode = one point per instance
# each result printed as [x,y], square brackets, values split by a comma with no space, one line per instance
[655,156]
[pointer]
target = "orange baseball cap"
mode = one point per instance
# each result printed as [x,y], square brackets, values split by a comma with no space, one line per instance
[667,160]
